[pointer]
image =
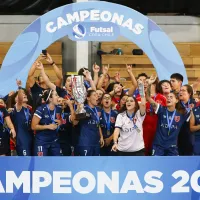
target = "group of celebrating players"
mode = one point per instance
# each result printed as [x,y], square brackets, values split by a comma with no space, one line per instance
[152,118]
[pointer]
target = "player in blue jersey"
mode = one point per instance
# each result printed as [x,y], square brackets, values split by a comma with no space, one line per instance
[186,138]
[91,137]
[170,120]
[21,118]
[195,129]
[107,122]
[65,137]
[46,122]
[6,127]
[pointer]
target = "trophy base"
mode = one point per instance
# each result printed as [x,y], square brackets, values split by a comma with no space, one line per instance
[81,116]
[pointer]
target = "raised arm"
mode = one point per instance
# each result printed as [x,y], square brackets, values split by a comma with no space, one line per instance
[89,78]
[45,77]
[148,97]
[133,80]
[20,95]
[101,79]
[96,70]
[55,68]
[143,99]
[31,78]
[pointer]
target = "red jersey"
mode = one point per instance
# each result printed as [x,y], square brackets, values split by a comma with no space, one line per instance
[116,101]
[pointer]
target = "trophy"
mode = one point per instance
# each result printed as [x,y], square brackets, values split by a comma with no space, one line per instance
[79,92]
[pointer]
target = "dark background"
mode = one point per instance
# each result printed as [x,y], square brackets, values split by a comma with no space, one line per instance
[39,7]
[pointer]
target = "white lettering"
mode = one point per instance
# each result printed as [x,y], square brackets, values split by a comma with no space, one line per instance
[73,17]
[154,182]
[104,180]
[131,177]
[58,182]
[84,14]
[138,29]
[37,183]
[61,22]
[117,19]
[106,16]
[95,15]
[51,29]
[128,23]
[84,175]
[12,179]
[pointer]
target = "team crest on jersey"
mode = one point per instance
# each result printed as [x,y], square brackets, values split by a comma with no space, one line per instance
[40,153]
[112,120]
[64,121]
[177,118]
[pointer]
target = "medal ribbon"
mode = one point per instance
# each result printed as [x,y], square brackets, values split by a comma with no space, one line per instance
[54,115]
[170,122]
[107,120]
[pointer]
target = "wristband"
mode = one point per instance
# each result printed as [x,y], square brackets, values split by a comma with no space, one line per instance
[19,88]
[53,63]
[115,142]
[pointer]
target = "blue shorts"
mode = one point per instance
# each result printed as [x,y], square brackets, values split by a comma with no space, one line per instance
[65,149]
[160,151]
[89,150]
[49,149]
[24,150]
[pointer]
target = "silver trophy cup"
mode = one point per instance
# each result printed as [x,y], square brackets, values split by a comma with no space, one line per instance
[80,94]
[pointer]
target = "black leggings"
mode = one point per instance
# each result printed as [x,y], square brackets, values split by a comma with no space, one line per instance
[136,153]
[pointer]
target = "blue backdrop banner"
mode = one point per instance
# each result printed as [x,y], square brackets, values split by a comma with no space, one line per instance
[90,21]
[108,178]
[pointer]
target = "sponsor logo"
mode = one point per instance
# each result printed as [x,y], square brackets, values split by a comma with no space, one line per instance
[79,31]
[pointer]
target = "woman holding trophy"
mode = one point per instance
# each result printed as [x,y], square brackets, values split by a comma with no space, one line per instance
[91,138]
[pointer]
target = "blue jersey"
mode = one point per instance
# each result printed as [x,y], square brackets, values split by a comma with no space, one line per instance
[36,91]
[196,112]
[22,123]
[3,127]
[106,130]
[89,128]
[47,117]
[164,137]
[64,130]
